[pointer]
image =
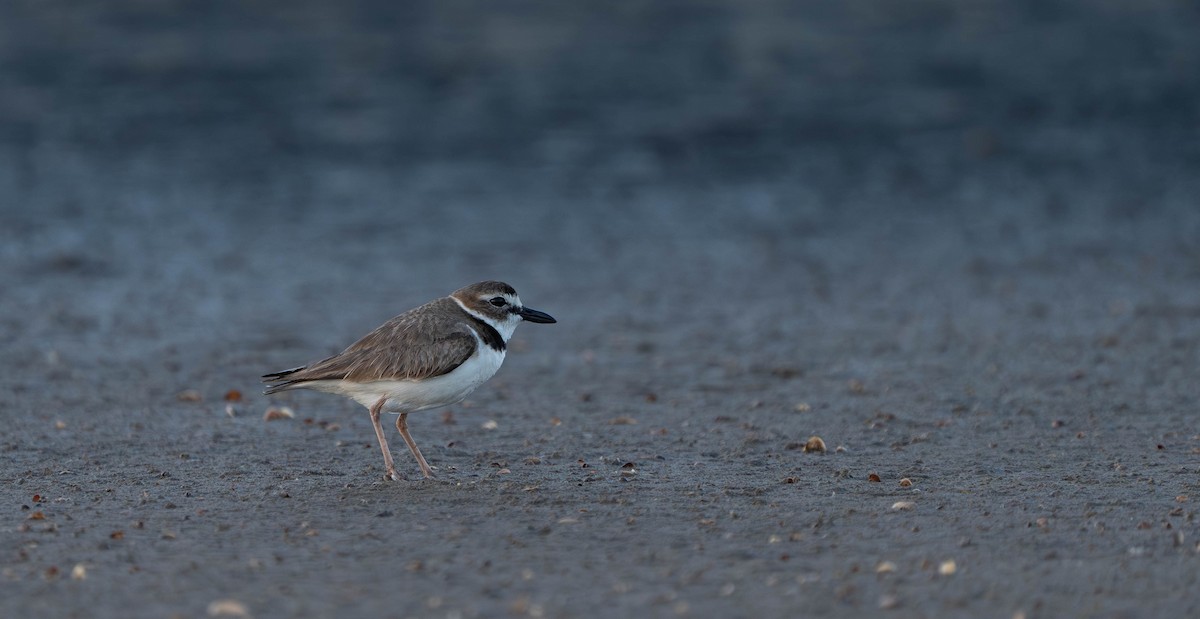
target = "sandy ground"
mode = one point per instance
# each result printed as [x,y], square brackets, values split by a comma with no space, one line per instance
[956,242]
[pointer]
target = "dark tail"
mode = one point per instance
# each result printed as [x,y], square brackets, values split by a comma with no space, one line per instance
[281,378]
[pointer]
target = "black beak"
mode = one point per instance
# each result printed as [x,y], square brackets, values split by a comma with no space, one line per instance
[533,315]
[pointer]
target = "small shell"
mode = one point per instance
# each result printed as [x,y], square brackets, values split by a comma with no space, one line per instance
[906,483]
[189,395]
[903,506]
[814,444]
[275,413]
[227,608]
[948,568]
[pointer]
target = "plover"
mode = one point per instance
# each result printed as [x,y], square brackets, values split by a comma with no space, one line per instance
[427,357]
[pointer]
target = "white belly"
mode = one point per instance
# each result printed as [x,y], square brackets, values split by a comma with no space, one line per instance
[407,396]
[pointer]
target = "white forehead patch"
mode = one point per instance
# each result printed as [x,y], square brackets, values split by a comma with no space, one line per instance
[512,299]
[505,325]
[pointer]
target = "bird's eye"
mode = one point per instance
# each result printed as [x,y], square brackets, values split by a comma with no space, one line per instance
[498,301]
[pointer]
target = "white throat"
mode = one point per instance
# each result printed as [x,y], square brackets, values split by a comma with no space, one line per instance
[504,327]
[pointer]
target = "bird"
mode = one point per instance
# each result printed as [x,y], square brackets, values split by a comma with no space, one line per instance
[428,357]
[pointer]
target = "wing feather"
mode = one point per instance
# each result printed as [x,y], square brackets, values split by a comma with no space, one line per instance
[415,345]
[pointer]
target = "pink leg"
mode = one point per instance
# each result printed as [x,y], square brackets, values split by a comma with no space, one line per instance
[387,454]
[402,426]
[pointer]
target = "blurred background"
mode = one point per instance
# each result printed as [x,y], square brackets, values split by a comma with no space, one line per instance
[957,237]
[309,152]
[244,91]
[238,184]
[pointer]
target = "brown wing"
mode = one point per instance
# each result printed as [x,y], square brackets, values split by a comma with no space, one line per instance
[411,346]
